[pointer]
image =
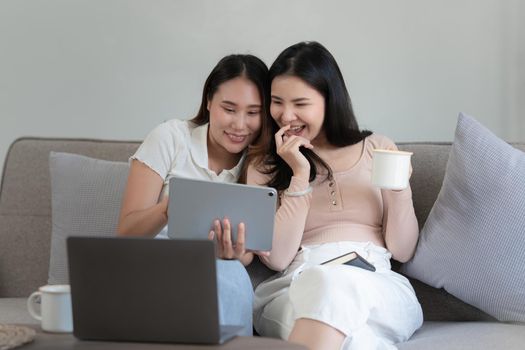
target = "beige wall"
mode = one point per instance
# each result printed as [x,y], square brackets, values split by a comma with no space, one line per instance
[115,68]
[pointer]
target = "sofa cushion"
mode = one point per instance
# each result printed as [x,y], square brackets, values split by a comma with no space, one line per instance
[86,195]
[472,241]
[466,336]
[14,311]
[25,206]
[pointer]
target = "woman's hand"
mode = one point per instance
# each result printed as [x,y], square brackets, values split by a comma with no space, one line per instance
[225,247]
[288,149]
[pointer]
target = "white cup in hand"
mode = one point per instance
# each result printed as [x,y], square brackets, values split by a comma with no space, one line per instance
[55,308]
[390,169]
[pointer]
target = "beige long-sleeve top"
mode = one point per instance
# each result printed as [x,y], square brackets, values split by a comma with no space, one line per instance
[346,207]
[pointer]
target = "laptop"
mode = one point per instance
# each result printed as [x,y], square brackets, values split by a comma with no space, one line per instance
[145,290]
[195,204]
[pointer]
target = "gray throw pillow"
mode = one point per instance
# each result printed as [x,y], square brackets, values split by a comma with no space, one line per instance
[473,242]
[86,195]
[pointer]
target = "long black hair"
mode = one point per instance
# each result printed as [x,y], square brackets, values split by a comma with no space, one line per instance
[315,65]
[231,67]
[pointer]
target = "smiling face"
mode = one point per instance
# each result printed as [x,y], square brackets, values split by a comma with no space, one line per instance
[297,104]
[235,115]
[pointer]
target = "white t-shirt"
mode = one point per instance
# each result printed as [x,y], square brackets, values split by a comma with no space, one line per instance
[178,148]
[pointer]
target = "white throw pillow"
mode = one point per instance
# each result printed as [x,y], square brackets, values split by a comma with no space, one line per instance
[473,242]
[86,195]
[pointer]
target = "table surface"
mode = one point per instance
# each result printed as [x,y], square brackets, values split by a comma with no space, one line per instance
[45,340]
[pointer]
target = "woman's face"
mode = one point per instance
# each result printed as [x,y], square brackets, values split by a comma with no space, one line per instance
[235,115]
[297,104]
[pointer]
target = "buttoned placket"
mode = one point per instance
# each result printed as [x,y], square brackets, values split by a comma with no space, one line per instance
[334,194]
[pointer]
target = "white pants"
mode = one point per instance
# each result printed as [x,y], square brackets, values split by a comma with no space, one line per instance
[373,309]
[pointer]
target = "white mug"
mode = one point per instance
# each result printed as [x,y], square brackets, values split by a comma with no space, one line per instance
[390,169]
[55,308]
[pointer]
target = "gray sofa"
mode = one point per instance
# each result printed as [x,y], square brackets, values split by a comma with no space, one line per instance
[25,232]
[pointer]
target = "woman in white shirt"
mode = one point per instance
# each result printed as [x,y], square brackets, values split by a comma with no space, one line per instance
[210,146]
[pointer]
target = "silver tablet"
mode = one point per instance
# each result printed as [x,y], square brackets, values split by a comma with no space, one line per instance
[195,204]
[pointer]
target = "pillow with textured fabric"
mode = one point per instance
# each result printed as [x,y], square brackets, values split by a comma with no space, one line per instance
[86,195]
[473,241]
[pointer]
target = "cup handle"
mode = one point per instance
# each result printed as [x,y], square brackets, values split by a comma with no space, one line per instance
[31,305]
